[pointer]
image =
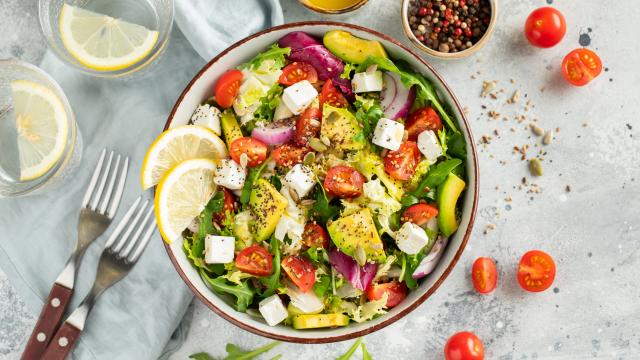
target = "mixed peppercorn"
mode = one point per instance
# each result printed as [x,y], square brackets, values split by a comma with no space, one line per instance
[449,25]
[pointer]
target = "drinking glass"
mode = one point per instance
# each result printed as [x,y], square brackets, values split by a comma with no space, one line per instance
[155,15]
[17,129]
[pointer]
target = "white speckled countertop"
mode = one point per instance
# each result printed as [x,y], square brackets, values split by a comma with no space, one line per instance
[592,230]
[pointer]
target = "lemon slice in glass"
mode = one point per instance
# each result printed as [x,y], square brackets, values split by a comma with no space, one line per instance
[41,126]
[101,42]
[182,195]
[177,145]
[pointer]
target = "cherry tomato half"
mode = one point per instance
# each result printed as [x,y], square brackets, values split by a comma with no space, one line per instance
[255,260]
[307,126]
[396,292]
[419,214]
[287,155]
[581,66]
[464,345]
[330,95]
[226,89]
[315,235]
[298,71]
[420,120]
[401,164]
[344,181]
[229,206]
[545,27]
[536,271]
[484,275]
[300,271]
[255,149]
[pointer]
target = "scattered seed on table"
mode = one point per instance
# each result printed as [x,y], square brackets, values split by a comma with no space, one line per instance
[548,136]
[536,129]
[536,167]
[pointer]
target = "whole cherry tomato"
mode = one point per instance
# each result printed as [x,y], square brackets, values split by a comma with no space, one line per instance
[464,345]
[545,27]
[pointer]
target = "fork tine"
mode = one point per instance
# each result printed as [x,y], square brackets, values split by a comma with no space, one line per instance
[94,179]
[112,182]
[103,181]
[125,237]
[136,236]
[145,240]
[122,223]
[119,190]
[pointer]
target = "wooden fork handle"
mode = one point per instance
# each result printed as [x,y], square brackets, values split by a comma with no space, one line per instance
[48,322]
[62,343]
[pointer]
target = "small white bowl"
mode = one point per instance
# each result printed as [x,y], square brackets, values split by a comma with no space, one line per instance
[199,89]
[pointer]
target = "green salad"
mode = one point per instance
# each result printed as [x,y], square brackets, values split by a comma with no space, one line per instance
[342,187]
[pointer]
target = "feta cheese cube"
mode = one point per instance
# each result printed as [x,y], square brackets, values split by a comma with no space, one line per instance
[300,179]
[365,82]
[298,96]
[388,134]
[229,174]
[429,146]
[411,238]
[282,112]
[273,310]
[288,226]
[219,249]
[207,116]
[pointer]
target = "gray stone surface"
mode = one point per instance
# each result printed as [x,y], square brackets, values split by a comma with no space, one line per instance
[592,230]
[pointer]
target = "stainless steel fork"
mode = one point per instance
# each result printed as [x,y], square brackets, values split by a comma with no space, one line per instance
[99,206]
[122,251]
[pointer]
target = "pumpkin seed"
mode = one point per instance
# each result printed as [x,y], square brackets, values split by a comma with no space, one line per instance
[309,158]
[317,145]
[535,166]
[244,159]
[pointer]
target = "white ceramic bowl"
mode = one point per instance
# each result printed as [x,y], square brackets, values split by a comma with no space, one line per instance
[200,88]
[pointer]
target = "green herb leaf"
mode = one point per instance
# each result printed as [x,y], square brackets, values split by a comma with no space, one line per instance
[409,265]
[457,146]
[243,293]
[235,353]
[365,353]
[273,281]
[201,356]
[408,200]
[322,208]
[346,72]
[254,174]
[276,182]
[352,349]
[322,285]
[268,104]
[275,53]
[436,176]
[215,204]
[368,112]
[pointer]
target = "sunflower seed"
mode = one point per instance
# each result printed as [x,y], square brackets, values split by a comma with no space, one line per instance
[548,136]
[536,129]
[325,140]
[360,256]
[244,159]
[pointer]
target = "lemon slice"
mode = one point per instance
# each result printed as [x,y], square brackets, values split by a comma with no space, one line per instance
[176,145]
[41,125]
[101,42]
[182,195]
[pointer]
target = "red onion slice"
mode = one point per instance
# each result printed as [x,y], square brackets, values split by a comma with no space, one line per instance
[273,135]
[397,99]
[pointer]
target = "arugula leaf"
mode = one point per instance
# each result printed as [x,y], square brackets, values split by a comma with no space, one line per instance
[368,112]
[316,254]
[352,349]
[365,353]
[442,139]
[254,174]
[268,104]
[322,207]
[273,281]
[436,176]
[235,353]
[408,200]
[243,293]
[409,265]
[275,53]
[276,182]
[457,146]
[322,285]
[426,93]
[215,204]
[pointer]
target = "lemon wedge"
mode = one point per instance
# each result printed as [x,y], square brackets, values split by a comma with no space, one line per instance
[182,194]
[42,127]
[101,42]
[177,145]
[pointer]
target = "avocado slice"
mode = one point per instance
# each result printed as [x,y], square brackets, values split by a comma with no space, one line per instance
[314,321]
[340,126]
[357,230]
[351,48]
[230,127]
[267,205]
[448,194]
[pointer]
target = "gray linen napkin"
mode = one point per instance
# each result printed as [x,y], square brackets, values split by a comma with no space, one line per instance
[135,318]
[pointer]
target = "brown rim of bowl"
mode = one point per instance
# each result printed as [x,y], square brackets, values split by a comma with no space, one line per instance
[321,10]
[438,282]
[457,55]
